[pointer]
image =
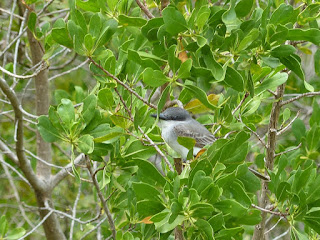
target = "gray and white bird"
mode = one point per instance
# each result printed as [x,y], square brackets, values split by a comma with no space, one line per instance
[176,122]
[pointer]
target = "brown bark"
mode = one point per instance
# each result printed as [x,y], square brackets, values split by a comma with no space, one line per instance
[272,134]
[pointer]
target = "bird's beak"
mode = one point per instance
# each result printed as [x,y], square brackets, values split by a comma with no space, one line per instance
[161,116]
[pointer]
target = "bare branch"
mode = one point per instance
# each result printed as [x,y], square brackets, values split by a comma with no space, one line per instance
[269,211]
[38,225]
[6,151]
[74,211]
[11,13]
[102,200]
[15,170]
[15,191]
[23,161]
[20,76]
[56,179]
[289,124]
[123,84]
[274,225]
[144,9]
[309,94]
[69,71]
[289,150]
[95,227]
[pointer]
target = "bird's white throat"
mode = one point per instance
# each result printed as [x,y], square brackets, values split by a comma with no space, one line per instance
[169,136]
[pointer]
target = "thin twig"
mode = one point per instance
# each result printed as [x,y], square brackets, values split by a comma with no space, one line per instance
[15,191]
[269,211]
[15,170]
[74,211]
[38,225]
[24,163]
[69,71]
[95,227]
[273,227]
[13,14]
[123,84]
[289,150]
[144,9]
[282,235]
[102,200]
[279,132]
[309,94]
[15,58]
[20,76]
[56,179]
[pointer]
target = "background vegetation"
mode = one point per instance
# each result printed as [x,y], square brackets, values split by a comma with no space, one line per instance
[81,158]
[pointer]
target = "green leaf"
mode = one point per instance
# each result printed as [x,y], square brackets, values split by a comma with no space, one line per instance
[90,5]
[154,78]
[248,39]
[243,8]
[201,210]
[148,173]
[77,36]
[201,95]
[60,34]
[230,206]
[66,112]
[110,135]
[283,51]
[184,70]
[89,105]
[47,131]
[32,21]
[282,191]
[310,13]
[86,144]
[17,233]
[125,21]
[110,27]
[88,42]
[311,35]
[164,225]
[282,15]
[298,129]
[230,17]
[174,20]
[205,227]
[187,142]
[234,79]
[3,225]
[148,207]
[173,61]
[272,82]
[145,191]
[202,16]
[315,117]
[95,25]
[137,149]
[317,62]
[163,99]
[292,63]
[228,233]
[312,219]
[105,98]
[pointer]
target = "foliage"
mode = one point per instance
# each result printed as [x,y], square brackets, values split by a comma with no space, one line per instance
[222,61]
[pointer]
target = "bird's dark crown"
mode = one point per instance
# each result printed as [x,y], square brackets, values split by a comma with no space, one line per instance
[174,114]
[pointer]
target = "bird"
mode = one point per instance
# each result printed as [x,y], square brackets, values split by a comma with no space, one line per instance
[176,122]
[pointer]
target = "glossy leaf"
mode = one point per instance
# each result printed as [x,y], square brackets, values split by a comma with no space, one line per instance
[174,20]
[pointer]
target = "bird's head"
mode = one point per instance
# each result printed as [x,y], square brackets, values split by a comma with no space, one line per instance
[173,114]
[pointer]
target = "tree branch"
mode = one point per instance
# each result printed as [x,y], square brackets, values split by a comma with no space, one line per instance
[309,94]
[144,9]
[122,84]
[24,164]
[56,179]
[102,200]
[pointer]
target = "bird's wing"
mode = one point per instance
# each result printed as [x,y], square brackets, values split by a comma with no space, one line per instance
[196,131]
